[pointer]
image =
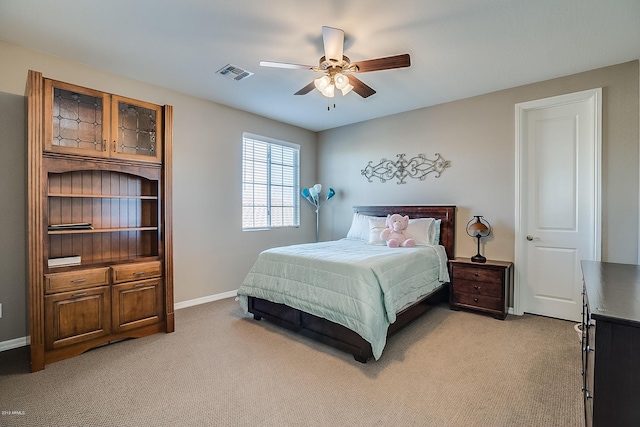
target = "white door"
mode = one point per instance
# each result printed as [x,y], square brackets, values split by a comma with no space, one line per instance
[558,201]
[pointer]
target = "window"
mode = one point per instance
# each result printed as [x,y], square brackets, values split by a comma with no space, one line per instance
[270,183]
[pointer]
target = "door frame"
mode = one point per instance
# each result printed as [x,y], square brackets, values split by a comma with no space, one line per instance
[520,247]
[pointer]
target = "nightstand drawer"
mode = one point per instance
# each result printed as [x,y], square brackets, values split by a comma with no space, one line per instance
[477,274]
[481,301]
[479,288]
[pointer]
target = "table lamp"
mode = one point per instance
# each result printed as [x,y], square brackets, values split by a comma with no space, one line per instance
[478,227]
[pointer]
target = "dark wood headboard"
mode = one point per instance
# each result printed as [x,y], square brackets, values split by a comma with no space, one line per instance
[447,215]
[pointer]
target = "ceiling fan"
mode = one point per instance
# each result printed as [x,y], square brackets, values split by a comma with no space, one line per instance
[337,70]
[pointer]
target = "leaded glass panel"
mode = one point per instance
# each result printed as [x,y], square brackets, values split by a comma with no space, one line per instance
[77,120]
[136,130]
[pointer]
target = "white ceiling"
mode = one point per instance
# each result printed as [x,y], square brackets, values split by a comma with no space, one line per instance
[458,48]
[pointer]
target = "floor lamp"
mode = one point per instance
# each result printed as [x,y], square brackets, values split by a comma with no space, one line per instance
[313,196]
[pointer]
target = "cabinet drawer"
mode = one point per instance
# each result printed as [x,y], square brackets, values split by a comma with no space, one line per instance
[476,273]
[480,301]
[480,288]
[129,272]
[58,282]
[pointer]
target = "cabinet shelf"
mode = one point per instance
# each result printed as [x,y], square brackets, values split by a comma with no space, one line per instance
[102,196]
[104,261]
[102,230]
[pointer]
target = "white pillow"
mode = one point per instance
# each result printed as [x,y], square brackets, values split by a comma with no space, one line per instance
[436,238]
[359,229]
[421,229]
[376,226]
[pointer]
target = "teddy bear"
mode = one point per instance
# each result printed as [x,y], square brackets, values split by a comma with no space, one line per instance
[394,233]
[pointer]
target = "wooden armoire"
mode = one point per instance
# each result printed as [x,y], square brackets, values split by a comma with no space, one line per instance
[100,246]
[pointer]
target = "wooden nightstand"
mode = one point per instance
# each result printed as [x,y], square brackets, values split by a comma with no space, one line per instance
[481,286]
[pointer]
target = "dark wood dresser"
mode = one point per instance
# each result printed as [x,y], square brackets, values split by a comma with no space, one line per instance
[480,286]
[611,344]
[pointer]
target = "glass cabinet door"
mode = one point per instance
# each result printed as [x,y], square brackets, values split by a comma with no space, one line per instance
[76,119]
[136,129]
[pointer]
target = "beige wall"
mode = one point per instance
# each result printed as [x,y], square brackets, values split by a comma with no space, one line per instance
[211,253]
[478,136]
[13,291]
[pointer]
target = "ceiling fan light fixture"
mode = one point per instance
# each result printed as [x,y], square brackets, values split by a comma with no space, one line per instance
[322,82]
[345,90]
[325,85]
[329,91]
[340,80]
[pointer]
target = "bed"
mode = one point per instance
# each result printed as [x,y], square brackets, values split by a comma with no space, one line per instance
[349,293]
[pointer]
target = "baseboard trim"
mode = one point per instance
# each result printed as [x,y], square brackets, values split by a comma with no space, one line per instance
[14,343]
[204,300]
[24,341]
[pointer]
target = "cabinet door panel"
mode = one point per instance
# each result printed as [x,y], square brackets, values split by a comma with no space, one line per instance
[76,119]
[136,129]
[137,304]
[73,317]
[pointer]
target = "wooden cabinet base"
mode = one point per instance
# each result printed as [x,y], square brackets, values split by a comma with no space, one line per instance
[75,350]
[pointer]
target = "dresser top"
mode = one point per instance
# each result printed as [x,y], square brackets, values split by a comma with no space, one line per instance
[613,291]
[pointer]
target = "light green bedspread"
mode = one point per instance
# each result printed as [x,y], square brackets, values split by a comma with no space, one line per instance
[348,282]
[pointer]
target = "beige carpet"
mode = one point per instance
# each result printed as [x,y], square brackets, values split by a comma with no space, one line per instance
[221,368]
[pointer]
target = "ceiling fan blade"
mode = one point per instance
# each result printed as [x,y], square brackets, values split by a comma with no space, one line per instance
[359,87]
[333,39]
[285,65]
[305,90]
[390,62]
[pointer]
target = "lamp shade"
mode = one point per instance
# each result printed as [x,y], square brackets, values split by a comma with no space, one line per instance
[340,80]
[322,82]
[331,193]
[329,91]
[478,229]
[345,90]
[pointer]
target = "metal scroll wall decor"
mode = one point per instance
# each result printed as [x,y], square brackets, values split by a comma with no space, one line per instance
[417,167]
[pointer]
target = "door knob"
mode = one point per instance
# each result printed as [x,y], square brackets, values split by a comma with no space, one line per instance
[529,237]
